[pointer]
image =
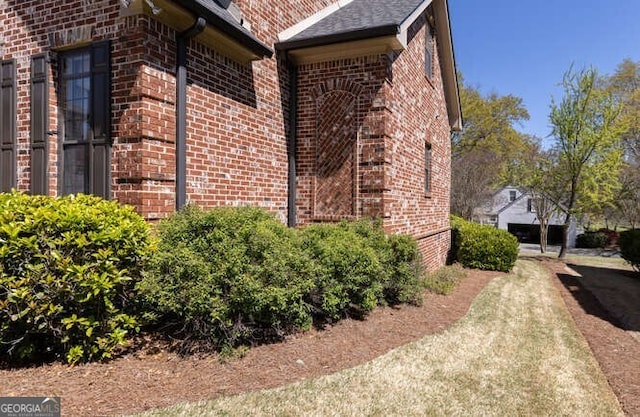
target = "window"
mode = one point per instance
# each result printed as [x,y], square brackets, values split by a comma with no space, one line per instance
[85,120]
[427,168]
[530,207]
[512,196]
[428,51]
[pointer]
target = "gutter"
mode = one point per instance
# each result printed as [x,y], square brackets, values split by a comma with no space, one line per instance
[339,37]
[292,143]
[181,108]
[236,32]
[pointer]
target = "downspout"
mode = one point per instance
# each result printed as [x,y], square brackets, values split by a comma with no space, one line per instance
[292,141]
[181,108]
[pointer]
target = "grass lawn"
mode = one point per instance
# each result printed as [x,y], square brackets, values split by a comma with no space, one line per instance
[517,352]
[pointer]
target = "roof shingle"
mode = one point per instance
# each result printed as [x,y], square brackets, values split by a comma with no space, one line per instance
[360,16]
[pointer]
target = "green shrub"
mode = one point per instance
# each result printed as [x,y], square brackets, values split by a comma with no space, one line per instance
[389,269]
[228,276]
[405,271]
[484,247]
[444,280]
[630,247]
[591,240]
[233,275]
[67,271]
[350,274]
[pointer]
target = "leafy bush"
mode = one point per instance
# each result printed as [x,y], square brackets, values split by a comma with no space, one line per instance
[232,275]
[612,236]
[227,276]
[444,280]
[405,268]
[360,267]
[350,272]
[483,247]
[67,271]
[630,247]
[591,240]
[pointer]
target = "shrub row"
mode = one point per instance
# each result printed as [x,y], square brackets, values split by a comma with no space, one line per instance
[482,247]
[630,247]
[234,275]
[591,240]
[67,272]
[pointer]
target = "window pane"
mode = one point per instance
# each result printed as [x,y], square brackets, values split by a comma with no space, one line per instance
[82,169]
[76,175]
[427,168]
[77,98]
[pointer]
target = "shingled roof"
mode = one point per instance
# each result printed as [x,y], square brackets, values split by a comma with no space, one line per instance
[361,27]
[358,19]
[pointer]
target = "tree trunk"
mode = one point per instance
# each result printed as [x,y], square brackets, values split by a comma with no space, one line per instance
[543,237]
[565,237]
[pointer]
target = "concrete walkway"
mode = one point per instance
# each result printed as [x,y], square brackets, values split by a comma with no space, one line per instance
[529,248]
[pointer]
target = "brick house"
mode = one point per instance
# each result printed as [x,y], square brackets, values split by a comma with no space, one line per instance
[317,110]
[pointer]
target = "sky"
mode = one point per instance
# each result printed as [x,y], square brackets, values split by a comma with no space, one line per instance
[524,47]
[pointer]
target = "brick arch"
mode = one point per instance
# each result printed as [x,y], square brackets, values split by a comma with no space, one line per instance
[336,117]
[336,84]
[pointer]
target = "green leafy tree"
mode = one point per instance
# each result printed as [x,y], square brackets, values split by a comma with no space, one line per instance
[537,173]
[486,148]
[624,85]
[627,202]
[587,129]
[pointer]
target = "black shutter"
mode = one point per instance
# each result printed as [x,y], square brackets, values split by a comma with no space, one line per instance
[7,125]
[39,124]
[100,160]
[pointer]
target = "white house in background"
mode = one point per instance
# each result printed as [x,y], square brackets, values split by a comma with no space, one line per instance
[512,209]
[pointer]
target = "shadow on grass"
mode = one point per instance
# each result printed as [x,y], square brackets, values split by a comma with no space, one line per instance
[610,294]
[617,291]
[587,300]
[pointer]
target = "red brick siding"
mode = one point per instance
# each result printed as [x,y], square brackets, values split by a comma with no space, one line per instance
[399,110]
[335,154]
[237,119]
[418,115]
[360,80]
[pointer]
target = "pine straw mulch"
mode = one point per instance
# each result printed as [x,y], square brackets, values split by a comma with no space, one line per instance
[153,377]
[610,335]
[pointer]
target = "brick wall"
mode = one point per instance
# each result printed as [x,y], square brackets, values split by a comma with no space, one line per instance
[397,109]
[352,136]
[30,27]
[363,122]
[418,115]
[236,113]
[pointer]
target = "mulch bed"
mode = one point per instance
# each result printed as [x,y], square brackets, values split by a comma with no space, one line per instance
[615,349]
[154,377]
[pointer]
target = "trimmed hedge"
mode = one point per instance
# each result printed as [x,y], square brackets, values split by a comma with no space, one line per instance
[360,267]
[67,270]
[630,247]
[230,276]
[223,275]
[591,240]
[483,247]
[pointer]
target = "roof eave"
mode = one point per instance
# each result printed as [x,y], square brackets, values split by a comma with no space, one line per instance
[241,36]
[336,38]
[448,64]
